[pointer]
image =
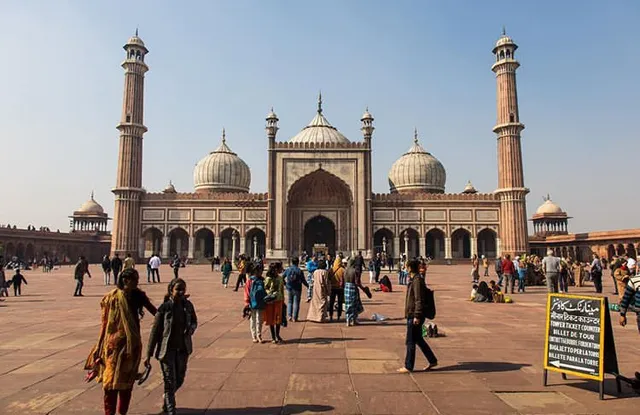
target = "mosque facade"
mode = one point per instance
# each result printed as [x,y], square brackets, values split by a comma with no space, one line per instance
[319,193]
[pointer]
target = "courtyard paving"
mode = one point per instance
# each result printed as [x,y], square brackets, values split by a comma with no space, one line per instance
[490,359]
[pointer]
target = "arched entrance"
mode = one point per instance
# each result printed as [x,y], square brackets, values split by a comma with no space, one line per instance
[20,251]
[30,253]
[383,242]
[409,241]
[204,244]
[320,194]
[9,251]
[611,252]
[227,248]
[179,242]
[620,250]
[435,243]
[487,245]
[319,231]
[461,244]
[152,242]
[255,243]
[631,251]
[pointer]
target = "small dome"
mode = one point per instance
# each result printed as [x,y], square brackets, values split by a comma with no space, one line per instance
[504,40]
[170,188]
[549,208]
[91,207]
[319,130]
[272,115]
[469,188]
[222,171]
[367,115]
[417,170]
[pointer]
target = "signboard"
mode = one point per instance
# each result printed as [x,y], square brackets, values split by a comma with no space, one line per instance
[579,337]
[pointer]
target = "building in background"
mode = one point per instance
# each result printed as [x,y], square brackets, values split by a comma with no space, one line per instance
[319,191]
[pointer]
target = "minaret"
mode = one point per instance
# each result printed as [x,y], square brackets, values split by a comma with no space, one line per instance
[271,129]
[128,190]
[367,132]
[511,189]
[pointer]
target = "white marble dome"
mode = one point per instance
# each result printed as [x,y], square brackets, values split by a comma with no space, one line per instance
[549,208]
[417,171]
[91,207]
[319,130]
[222,171]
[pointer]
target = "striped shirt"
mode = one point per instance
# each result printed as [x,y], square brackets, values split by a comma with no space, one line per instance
[631,296]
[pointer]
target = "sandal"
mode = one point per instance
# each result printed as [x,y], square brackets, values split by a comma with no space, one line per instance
[431,366]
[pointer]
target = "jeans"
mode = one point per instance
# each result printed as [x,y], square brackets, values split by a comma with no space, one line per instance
[596,277]
[174,369]
[111,400]
[339,294]
[79,285]
[175,272]
[148,274]
[225,278]
[155,274]
[17,290]
[293,303]
[564,282]
[255,324]
[116,273]
[509,283]
[310,287]
[402,278]
[107,277]
[552,281]
[500,277]
[242,279]
[414,337]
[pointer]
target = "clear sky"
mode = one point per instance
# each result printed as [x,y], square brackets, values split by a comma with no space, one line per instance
[423,64]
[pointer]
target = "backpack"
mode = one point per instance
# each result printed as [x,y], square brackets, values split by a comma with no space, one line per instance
[429,303]
[257,294]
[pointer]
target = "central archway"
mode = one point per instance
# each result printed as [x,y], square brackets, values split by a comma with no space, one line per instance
[319,210]
[319,231]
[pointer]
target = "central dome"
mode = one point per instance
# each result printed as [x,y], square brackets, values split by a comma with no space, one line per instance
[417,171]
[222,171]
[319,130]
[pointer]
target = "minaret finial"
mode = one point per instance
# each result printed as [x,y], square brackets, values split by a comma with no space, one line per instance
[92,195]
[320,102]
[224,136]
[136,31]
[415,135]
[504,30]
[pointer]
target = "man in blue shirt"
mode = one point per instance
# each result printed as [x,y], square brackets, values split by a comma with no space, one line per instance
[294,280]
[312,265]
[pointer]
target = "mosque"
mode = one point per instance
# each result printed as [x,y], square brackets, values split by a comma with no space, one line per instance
[319,194]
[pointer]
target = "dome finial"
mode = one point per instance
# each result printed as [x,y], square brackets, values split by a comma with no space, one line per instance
[136,30]
[92,195]
[224,135]
[504,30]
[415,135]
[320,102]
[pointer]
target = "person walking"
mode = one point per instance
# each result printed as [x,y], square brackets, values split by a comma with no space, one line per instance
[154,264]
[274,286]
[17,281]
[509,272]
[414,310]
[498,268]
[475,269]
[485,265]
[242,272]
[294,280]
[106,269]
[82,268]
[226,272]
[170,340]
[336,279]
[116,267]
[312,266]
[129,262]
[551,268]
[176,264]
[596,273]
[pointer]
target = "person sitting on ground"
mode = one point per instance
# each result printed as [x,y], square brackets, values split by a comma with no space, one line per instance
[498,296]
[385,284]
[474,291]
[484,294]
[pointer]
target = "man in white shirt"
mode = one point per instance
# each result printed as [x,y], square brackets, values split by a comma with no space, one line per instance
[154,263]
[631,264]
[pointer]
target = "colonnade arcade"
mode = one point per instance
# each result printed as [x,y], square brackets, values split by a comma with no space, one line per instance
[436,243]
[204,243]
[584,252]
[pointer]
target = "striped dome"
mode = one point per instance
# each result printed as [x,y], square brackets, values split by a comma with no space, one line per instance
[222,171]
[319,130]
[417,171]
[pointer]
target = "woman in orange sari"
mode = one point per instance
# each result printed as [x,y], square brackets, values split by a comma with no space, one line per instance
[115,358]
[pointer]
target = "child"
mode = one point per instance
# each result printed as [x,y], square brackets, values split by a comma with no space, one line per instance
[274,286]
[17,281]
[170,339]
[498,296]
[257,309]
[474,291]
[226,272]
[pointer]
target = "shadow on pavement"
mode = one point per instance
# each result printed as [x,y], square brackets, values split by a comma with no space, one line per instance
[276,410]
[483,367]
[321,340]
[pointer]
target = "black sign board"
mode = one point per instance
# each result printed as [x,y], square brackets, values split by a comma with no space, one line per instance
[579,337]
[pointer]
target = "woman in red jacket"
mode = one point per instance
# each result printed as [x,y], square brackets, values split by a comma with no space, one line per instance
[509,271]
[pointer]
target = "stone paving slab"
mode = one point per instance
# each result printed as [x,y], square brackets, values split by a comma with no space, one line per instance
[490,357]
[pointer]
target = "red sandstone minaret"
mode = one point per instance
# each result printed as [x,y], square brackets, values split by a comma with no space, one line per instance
[511,189]
[128,190]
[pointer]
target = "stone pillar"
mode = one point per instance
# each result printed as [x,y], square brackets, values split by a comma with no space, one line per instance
[384,244]
[234,240]
[396,247]
[498,248]
[141,248]
[255,246]
[243,241]
[217,246]
[447,248]
[165,246]
[422,247]
[406,245]
[192,243]
[474,246]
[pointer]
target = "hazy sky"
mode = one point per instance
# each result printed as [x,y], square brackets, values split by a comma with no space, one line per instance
[225,63]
